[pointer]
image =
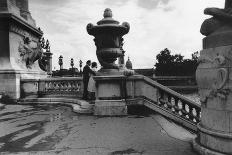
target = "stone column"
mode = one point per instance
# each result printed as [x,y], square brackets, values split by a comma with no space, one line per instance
[20,50]
[214,78]
[23,6]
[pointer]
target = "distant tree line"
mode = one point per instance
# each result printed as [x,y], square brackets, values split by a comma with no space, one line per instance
[175,65]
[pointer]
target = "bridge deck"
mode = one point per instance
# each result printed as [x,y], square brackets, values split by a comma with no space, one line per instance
[56,129]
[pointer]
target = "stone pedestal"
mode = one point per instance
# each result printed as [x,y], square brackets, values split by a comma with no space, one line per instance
[214,78]
[110,108]
[20,51]
[110,94]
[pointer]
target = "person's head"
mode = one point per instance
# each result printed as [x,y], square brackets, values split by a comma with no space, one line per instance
[88,62]
[94,64]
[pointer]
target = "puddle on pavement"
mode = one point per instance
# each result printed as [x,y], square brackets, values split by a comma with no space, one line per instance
[33,128]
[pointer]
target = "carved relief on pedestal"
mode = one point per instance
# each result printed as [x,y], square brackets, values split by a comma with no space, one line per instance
[212,76]
[28,53]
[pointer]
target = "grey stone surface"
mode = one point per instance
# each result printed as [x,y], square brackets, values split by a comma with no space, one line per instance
[17,25]
[50,130]
[214,81]
[110,108]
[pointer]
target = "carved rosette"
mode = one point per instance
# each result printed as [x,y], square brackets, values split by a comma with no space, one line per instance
[108,39]
[214,79]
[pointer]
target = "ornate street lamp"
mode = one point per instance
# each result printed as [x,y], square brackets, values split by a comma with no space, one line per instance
[80,64]
[61,62]
[72,63]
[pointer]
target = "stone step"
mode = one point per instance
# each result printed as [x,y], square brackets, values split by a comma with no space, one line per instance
[78,106]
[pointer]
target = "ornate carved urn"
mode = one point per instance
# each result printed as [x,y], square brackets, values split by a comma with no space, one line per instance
[108,39]
[214,78]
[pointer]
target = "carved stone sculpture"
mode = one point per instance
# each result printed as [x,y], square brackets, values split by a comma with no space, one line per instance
[214,82]
[29,54]
[108,39]
[222,18]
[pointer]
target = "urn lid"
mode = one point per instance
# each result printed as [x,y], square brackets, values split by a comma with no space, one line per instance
[107,18]
[108,25]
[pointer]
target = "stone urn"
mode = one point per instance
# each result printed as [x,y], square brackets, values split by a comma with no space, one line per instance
[108,40]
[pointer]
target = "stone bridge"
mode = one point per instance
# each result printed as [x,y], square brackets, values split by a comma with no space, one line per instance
[23,79]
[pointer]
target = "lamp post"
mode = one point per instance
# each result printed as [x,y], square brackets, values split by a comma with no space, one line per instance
[61,62]
[72,63]
[80,64]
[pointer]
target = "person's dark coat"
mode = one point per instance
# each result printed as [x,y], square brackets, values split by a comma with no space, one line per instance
[86,75]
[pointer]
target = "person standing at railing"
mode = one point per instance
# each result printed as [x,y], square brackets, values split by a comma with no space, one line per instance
[86,75]
[91,85]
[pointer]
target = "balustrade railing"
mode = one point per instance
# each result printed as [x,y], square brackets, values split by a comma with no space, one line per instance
[54,87]
[156,96]
[176,104]
[71,86]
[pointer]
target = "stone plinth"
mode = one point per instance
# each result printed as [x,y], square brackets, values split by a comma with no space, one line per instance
[215,84]
[110,95]
[20,49]
[110,108]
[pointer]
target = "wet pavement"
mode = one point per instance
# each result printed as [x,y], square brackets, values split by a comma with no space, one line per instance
[55,129]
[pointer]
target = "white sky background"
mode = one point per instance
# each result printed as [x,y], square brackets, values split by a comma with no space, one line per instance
[155,25]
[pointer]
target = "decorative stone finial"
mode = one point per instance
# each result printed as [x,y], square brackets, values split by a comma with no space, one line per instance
[107,13]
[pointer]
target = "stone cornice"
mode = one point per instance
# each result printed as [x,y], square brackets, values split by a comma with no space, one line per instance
[17,20]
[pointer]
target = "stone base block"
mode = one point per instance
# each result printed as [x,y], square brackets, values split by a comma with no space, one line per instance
[203,150]
[110,108]
[10,85]
[216,140]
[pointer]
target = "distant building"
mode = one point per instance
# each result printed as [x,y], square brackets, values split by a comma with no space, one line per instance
[149,72]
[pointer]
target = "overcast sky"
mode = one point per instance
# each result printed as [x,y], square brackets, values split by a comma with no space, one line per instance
[155,25]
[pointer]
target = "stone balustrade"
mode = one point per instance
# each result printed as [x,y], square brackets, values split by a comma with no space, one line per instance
[135,89]
[52,87]
[142,90]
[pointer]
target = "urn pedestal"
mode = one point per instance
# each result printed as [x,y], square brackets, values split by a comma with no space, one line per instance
[214,79]
[110,96]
